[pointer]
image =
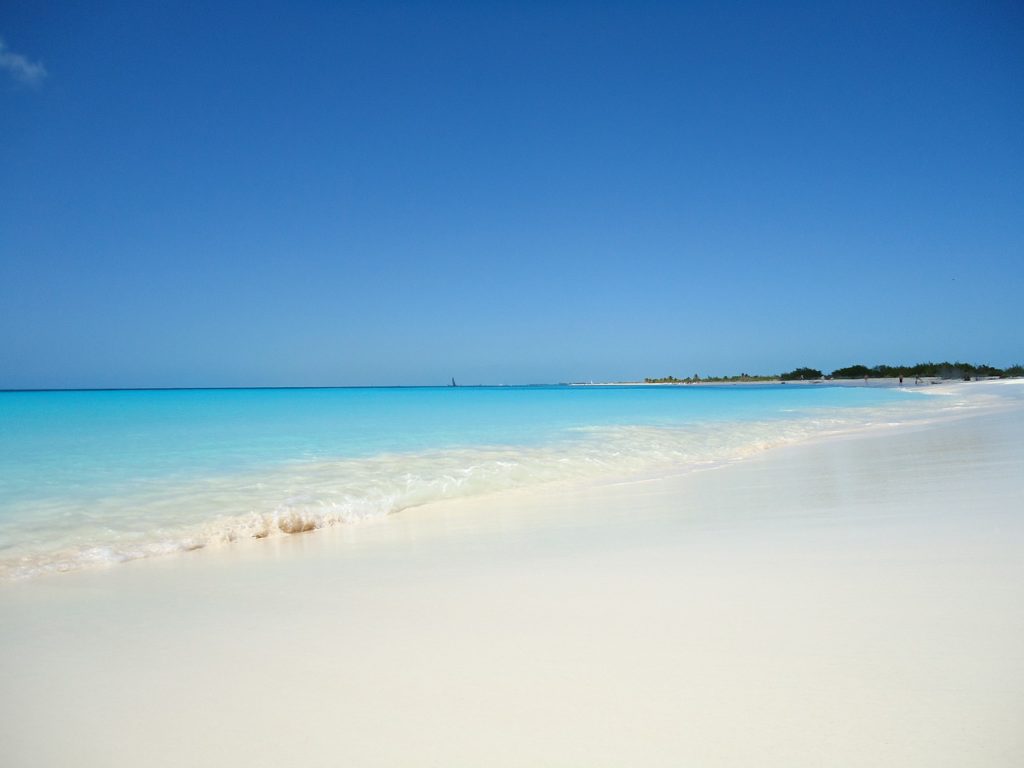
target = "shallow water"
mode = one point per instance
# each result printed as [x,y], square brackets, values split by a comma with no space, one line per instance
[107,476]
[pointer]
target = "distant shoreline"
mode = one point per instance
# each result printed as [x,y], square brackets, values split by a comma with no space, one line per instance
[876,382]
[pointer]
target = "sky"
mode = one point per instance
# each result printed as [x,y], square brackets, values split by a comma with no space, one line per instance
[331,193]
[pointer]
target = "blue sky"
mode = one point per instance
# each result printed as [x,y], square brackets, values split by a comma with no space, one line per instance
[357,193]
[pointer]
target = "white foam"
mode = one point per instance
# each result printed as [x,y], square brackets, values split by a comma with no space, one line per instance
[296,497]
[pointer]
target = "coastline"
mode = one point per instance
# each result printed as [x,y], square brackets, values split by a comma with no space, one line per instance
[852,601]
[212,481]
[871,382]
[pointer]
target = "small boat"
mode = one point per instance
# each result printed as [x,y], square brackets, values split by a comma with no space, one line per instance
[453,382]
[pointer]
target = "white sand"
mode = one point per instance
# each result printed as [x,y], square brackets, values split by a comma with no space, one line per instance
[854,602]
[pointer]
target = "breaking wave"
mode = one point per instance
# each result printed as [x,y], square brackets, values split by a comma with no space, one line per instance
[185,514]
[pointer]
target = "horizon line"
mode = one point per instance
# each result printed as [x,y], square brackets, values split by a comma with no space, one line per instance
[287,386]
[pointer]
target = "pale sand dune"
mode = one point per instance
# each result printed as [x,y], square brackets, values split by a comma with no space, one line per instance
[855,602]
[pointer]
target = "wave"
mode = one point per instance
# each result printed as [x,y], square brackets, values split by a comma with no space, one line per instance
[183,514]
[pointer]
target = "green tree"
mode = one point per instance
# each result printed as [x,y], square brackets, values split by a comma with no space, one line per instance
[801,374]
[852,372]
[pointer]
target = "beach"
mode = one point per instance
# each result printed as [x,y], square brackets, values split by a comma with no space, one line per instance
[849,600]
[511,385]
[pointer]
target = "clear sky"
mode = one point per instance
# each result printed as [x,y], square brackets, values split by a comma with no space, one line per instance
[400,192]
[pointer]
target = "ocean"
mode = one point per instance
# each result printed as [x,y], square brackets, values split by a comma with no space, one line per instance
[93,478]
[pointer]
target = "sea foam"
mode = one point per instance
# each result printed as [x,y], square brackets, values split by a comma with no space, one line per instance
[182,513]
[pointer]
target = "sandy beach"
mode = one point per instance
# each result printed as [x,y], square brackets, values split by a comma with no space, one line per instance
[855,601]
[511,385]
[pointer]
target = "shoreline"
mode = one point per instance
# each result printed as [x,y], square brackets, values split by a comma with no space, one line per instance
[218,533]
[882,381]
[855,601]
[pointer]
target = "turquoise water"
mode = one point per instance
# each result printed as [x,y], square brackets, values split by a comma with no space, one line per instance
[108,476]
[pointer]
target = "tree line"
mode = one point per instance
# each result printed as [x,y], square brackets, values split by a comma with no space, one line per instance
[944,370]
